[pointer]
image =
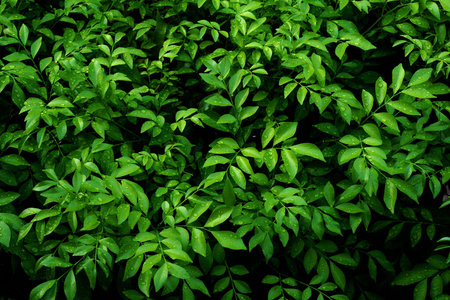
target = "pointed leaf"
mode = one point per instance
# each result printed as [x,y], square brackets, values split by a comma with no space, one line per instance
[388,120]
[238,177]
[398,74]
[285,131]
[219,215]
[290,162]
[380,90]
[404,107]
[308,149]
[70,285]
[420,76]
[198,242]
[5,234]
[39,291]
[390,195]
[367,99]
[36,46]
[161,276]
[229,239]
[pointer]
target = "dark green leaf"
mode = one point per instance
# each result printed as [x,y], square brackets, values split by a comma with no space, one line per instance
[412,276]
[5,234]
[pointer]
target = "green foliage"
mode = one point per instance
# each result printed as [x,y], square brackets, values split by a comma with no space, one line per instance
[226,148]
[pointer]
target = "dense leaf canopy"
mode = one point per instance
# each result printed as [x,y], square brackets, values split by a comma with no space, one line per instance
[280,149]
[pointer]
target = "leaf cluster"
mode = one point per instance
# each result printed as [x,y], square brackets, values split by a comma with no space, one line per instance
[226,149]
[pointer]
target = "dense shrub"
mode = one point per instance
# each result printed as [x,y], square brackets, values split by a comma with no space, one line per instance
[236,149]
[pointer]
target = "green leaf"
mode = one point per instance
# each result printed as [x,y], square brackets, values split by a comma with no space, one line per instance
[405,188]
[418,92]
[61,130]
[213,80]
[436,287]
[349,154]
[380,90]
[270,279]
[16,57]
[344,259]
[24,231]
[367,99]
[329,193]
[350,193]
[18,96]
[101,199]
[228,194]
[285,131]
[308,149]
[412,276]
[221,284]
[398,74]
[390,195]
[267,136]
[229,239]
[388,120]
[144,281]
[310,260]
[235,80]
[338,276]
[214,160]
[219,215]
[36,46]
[244,164]
[372,130]
[301,94]
[127,170]
[8,197]
[270,158]
[39,291]
[420,76]
[340,50]
[160,277]
[356,39]
[5,234]
[349,208]
[53,262]
[123,211]
[404,107]
[317,224]
[178,271]
[218,100]
[349,140]
[91,222]
[238,177]
[143,113]
[445,5]
[241,97]
[415,234]
[290,162]
[23,34]
[178,254]
[70,285]
[247,112]
[198,242]
[420,290]
[289,88]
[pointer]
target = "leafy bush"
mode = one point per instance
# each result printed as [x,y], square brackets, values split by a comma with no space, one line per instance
[234,149]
